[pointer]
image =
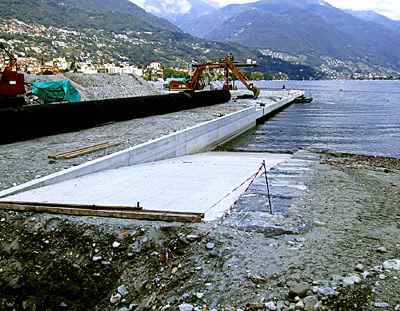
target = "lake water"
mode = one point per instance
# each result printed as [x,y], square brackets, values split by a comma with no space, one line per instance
[360,117]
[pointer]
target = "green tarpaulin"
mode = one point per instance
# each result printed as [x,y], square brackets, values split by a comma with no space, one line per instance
[56,91]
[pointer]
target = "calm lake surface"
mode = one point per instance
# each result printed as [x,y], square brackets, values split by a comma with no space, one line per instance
[360,117]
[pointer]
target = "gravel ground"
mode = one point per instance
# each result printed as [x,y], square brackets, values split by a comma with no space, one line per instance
[346,257]
[101,86]
[24,161]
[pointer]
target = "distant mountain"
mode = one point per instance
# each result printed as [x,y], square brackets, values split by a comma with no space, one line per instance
[100,14]
[372,16]
[179,12]
[115,30]
[312,29]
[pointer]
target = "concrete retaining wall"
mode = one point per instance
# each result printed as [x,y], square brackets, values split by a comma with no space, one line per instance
[195,139]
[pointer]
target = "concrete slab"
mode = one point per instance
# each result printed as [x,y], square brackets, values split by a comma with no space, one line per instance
[207,182]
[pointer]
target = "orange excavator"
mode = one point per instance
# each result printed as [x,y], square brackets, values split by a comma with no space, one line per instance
[229,66]
[12,83]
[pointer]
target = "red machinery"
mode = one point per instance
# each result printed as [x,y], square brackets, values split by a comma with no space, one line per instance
[12,83]
[228,64]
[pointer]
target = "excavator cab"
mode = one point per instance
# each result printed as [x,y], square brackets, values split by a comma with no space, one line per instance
[12,83]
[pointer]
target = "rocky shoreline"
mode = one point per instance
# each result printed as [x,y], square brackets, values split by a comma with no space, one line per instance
[346,257]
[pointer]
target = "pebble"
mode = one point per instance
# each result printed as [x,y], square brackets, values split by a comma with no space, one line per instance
[210,246]
[359,268]
[199,295]
[192,237]
[186,307]
[351,280]
[310,302]
[381,249]
[122,290]
[397,308]
[97,258]
[299,289]
[326,291]
[381,305]
[116,244]
[300,305]
[365,274]
[185,296]
[270,305]
[392,264]
[115,298]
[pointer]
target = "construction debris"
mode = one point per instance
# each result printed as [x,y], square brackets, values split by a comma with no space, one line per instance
[82,151]
[124,212]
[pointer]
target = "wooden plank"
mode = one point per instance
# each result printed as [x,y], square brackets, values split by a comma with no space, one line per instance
[82,151]
[101,207]
[113,213]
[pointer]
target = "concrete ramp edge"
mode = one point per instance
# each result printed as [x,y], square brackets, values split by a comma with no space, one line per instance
[199,138]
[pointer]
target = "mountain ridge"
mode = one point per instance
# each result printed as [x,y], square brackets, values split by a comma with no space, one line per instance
[311,28]
[114,30]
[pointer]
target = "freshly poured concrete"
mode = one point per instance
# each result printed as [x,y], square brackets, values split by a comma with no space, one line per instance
[207,183]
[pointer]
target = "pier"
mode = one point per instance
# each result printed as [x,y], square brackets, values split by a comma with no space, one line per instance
[173,173]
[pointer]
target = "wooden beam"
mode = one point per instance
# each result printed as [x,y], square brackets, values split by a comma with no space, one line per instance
[82,151]
[89,206]
[88,210]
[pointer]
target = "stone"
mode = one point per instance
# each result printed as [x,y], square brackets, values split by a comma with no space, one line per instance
[122,290]
[351,280]
[210,246]
[97,258]
[300,305]
[381,305]
[192,237]
[392,264]
[270,305]
[185,296]
[116,244]
[366,274]
[359,268]
[280,305]
[115,298]
[199,295]
[381,249]
[310,302]
[397,308]
[299,289]
[186,307]
[326,291]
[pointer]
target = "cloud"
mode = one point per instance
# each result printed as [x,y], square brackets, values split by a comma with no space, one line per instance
[164,7]
[389,8]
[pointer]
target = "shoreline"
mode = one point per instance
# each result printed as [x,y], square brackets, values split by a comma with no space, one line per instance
[219,265]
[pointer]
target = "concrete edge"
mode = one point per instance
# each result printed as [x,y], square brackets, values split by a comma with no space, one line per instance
[201,137]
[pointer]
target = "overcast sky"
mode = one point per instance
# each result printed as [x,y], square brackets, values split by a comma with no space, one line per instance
[390,8]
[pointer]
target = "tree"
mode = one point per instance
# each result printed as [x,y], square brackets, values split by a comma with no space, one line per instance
[256,75]
[171,73]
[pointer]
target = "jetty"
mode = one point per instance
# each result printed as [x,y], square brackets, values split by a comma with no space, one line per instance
[176,176]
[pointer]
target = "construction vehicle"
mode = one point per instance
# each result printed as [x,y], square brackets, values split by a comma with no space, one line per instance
[12,83]
[229,66]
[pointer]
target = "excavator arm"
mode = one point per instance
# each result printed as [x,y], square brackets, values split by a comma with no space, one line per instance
[12,60]
[238,74]
[226,63]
